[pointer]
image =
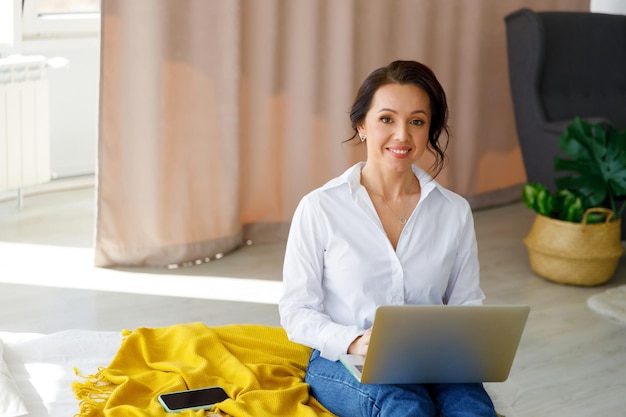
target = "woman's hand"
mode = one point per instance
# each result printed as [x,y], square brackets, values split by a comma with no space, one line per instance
[360,344]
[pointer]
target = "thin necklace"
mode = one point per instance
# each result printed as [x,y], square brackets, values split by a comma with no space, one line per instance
[401,219]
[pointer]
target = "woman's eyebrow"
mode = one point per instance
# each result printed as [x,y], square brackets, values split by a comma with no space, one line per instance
[384,109]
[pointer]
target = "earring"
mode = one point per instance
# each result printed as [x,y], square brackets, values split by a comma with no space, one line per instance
[362,136]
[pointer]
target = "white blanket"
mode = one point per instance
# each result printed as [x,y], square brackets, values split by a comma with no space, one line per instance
[42,366]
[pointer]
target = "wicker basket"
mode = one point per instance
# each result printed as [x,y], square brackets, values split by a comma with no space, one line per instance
[575,253]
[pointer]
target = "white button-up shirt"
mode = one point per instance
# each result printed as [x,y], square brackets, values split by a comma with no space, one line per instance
[340,265]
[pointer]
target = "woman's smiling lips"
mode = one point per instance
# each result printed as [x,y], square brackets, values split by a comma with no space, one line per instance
[399,152]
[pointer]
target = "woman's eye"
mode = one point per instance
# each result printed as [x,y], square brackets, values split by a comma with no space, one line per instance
[385,119]
[417,122]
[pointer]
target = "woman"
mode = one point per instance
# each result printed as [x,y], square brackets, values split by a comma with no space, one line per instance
[382,233]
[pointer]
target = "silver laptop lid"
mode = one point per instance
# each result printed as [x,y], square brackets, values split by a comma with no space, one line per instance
[443,344]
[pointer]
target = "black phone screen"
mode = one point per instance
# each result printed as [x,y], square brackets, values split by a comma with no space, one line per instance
[194,398]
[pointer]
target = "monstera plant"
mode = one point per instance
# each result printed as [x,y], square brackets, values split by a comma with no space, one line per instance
[593,176]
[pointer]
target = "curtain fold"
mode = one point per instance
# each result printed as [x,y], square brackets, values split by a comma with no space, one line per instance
[217,116]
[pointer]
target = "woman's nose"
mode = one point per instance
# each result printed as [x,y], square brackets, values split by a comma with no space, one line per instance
[402,133]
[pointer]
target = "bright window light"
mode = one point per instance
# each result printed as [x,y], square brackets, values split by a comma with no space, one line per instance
[61,18]
[68,6]
[9,26]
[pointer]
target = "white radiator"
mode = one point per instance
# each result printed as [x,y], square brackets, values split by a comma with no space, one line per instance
[24,122]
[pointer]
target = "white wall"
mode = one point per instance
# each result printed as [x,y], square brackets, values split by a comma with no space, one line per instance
[608,6]
[73,102]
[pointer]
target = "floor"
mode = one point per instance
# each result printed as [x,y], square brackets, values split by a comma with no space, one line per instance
[571,361]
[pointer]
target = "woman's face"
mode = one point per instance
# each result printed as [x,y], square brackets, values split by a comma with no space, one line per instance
[397,126]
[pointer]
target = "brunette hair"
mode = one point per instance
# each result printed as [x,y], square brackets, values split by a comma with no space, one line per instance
[408,72]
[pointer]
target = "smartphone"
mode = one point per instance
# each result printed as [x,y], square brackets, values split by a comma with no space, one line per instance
[194,399]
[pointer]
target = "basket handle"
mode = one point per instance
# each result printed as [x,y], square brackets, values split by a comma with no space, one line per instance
[609,213]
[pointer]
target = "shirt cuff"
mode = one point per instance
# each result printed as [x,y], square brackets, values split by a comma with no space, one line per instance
[337,340]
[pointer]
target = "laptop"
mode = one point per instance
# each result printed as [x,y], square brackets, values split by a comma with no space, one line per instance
[413,344]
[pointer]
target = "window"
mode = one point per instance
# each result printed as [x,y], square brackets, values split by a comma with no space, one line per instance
[48,7]
[56,18]
[9,26]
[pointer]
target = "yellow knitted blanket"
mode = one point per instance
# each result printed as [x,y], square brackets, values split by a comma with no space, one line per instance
[259,368]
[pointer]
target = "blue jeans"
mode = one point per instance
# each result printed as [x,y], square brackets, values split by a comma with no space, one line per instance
[333,386]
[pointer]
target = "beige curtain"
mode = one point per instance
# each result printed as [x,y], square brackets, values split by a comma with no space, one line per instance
[217,116]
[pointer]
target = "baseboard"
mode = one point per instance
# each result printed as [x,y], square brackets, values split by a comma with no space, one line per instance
[60,184]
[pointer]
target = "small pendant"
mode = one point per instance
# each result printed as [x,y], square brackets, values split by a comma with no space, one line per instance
[402,220]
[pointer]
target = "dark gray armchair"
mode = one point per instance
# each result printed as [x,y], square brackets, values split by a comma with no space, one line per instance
[563,65]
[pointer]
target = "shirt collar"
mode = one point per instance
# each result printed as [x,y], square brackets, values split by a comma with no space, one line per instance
[352,177]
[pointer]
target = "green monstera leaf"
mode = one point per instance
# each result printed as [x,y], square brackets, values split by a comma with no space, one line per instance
[597,169]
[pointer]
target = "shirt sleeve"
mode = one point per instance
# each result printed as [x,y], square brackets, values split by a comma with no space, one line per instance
[464,281]
[301,305]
